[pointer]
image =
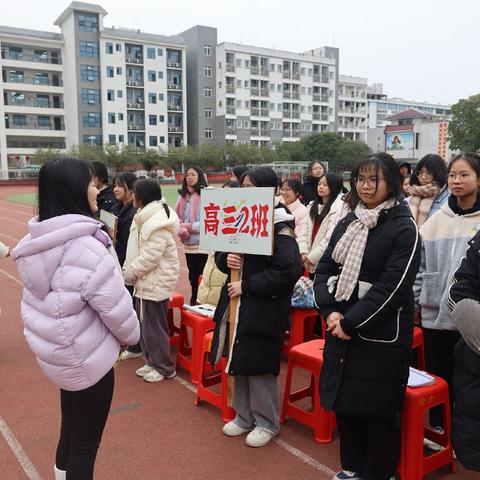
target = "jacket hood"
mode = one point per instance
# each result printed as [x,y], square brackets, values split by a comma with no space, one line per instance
[41,249]
[400,210]
[153,217]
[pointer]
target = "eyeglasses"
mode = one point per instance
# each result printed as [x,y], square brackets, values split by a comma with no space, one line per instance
[370,182]
[461,176]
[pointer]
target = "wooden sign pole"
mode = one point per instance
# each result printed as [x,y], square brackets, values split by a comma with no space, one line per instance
[234,277]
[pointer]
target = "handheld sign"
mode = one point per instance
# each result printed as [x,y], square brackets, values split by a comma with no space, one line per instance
[237,220]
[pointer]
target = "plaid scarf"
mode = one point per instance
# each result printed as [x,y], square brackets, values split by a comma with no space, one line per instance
[421,201]
[351,247]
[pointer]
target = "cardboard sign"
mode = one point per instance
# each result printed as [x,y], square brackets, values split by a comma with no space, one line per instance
[237,220]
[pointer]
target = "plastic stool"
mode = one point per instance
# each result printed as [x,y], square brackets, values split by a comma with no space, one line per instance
[301,322]
[209,378]
[417,345]
[413,463]
[308,356]
[177,301]
[189,354]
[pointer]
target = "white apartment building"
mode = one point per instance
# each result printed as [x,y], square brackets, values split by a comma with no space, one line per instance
[266,96]
[352,107]
[32,107]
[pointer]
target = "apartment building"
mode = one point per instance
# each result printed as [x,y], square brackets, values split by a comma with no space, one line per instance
[32,94]
[352,107]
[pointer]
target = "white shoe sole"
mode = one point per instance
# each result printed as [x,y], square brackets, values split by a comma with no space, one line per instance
[256,444]
[159,379]
[236,433]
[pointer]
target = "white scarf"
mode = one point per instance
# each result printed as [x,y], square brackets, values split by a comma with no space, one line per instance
[351,247]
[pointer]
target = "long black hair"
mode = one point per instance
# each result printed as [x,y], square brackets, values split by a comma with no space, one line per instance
[295,185]
[100,171]
[385,164]
[335,185]
[148,190]
[202,182]
[239,170]
[62,188]
[125,180]
[261,177]
[436,165]
[310,166]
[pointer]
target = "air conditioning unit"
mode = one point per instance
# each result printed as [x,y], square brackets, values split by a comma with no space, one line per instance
[135,83]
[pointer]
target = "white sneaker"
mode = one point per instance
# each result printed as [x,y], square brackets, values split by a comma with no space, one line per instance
[346,475]
[154,376]
[59,474]
[126,355]
[430,444]
[231,429]
[141,372]
[259,437]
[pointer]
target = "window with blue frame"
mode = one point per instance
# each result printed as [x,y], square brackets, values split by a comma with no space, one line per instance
[111,95]
[152,119]
[41,56]
[153,141]
[41,79]
[89,73]
[17,98]
[121,138]
[152,98]
[111,117]
[88,49]
[110,72]
[90,96]
[162,139]
[91,120]
[87,22]
[15,53]
[118,47]
[92,139]
[112,139]
[42,101]
[44,122]
[120,93]
[19,120]
[151,53]
[152,76]
[160,97]
[119,70]
[16,76]
[109,48]
[160,52]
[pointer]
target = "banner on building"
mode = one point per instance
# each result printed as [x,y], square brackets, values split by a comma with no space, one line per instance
[238,220]
[399,144]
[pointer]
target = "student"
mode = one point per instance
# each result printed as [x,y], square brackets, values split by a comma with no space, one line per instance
[188,211]
[404,168]
[363,288]
[237,172]
[125,211]
[406,185]
[445,239]
[428,191]
[464,298]
[314,172]
[106,198]
[265,291]
[75,308]
[4,250]
[328,202]
[152,267]
[291,192]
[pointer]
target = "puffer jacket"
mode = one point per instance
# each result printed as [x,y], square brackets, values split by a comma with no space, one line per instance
[75,308]
[212,282]
[152,265]
[314,249]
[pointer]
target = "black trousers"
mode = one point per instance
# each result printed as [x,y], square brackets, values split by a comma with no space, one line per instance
[133,348]
[370,446]
[84,414]
[440,360]
[195,263]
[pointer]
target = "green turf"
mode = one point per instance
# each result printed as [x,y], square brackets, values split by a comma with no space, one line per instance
[169,192]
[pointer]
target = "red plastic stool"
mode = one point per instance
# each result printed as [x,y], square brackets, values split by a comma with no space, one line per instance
[189,353]
[301,323]
[417,345]
[209,378]
[308,356]
[413,463]
[177,301]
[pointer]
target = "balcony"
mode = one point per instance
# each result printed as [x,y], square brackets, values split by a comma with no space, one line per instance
[230,89]
[320,78]
[296,95]
[259,132]
[316,115]
[287,74]
[134,60]
[324,117]
[136,105]
[35,104]
[28,57]
[295,75]
[295,114]
[172,129]
[174,86]
[35,126]
[290,133]
[255,91]
[254,70]
[287,114]
[287,94]
[134,83]
[36,144]
[230,67]
[264,92]
[264,72]
[172,106]
[33,81]
[230,131]
[173,64]
[136,126]
[230,110]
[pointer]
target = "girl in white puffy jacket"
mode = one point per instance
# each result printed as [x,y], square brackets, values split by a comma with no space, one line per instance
[152,267]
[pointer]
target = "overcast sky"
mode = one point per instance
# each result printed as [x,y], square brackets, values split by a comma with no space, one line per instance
[424,50]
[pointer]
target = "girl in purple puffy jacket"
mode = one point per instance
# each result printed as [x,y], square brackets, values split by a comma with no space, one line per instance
[76,311]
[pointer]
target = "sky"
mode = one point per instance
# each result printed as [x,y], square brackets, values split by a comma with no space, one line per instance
[423,50]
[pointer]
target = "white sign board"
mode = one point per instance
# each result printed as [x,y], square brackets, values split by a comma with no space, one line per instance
[238,220]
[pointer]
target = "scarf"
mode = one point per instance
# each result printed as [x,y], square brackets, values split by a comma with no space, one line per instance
[351,247]
[194,209]
[421,199]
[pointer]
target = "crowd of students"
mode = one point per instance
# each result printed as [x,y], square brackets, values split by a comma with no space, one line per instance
[382,255]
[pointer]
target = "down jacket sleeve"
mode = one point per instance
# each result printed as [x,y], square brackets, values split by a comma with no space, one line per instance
[106,294]
[304,236]
[399,273]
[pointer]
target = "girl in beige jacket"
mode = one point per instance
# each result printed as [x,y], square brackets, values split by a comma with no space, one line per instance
[152,267]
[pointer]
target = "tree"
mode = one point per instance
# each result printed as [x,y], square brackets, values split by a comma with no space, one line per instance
[87,151]
[150,159]
[242,154]
[321,146]
[41,155]
[464,127]
[290,152]
[348,153]
[181,157]
[209,155]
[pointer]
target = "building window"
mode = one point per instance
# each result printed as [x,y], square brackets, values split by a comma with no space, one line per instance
[162,139]
[91,120]
[152,119]
[160,52]
[41,56]
[246,124]
[92,139]
[303,71]
[109,48]
[161,118]
[120,117]
[110,72]
[247,84]
[207,71]
[88,49]
[111,95]
[89,73]
[153,141]
[19,120]
[119,70]
[121,138]
[246,63]
[42,101]
[208,133]
[160,97]
[239,84]
[152,76]
[303,90]
[90,96]
[16,76]
[112,139]
[15,53]
[207,50]
[239,103]
[87,23]
[152,98]
[279,68]
[207,91]
[239,63]
[208,113]
[151,53]
[239,124]
[160,75]
[119,93]
[247,104]
[41,79]
[111,117]
[118,47]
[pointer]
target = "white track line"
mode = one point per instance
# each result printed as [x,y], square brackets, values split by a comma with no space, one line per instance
[18,451]
[23,224]
[18,207]
[8,236]
[11,210]
[11,277]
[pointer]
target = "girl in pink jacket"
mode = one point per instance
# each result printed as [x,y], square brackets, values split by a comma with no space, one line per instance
[76,311]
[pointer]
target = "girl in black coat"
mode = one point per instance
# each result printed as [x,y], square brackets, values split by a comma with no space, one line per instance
[264,308]
[465,300]
[363,288]
[309,187]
